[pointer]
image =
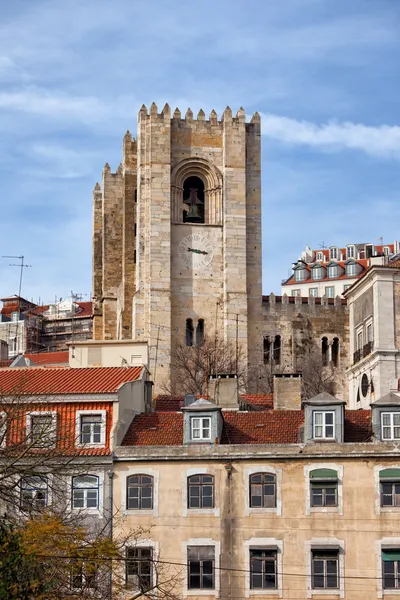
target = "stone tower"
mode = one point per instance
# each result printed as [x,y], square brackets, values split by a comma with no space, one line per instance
[177,235]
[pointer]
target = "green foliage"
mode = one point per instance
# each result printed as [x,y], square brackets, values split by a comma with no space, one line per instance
[20,573]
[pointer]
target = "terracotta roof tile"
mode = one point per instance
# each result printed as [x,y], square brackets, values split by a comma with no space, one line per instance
[49,358]
[30,381]
[264,427]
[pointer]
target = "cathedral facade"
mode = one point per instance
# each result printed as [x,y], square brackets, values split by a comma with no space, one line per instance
[177,236]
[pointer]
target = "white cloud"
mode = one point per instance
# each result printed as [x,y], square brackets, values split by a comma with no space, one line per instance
[383,140]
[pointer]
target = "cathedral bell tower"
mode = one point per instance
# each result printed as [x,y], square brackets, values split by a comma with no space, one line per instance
[177,235]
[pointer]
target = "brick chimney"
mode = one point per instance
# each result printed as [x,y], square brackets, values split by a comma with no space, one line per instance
[224,390]
[287,391]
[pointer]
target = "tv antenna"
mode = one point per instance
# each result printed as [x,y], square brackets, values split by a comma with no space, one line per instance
[22,265]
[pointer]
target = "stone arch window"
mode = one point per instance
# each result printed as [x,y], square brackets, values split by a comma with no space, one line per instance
[277,350]
[266,349]
[200,332]
[196,173]
[193,200]
[335,351]
[189,332]
[324,350]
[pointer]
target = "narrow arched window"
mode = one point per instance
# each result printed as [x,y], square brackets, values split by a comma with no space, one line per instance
[200,332]
[201,491]
[139,492]
[193,200]
[189,332]
[324,350]
[262,490]
[335,351]
[277,350]
[266,349]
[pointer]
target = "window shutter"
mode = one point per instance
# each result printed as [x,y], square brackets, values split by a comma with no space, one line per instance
[390,555]
[324,474]
[390,474]
[94,356]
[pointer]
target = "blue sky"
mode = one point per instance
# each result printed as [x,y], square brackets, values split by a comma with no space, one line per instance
[323,74]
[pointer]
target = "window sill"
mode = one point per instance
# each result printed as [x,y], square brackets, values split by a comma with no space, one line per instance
[324,509]
[206,512]
[262,592]
[140,511]
[99,445]
[262,511]
[201,592]
[88,511]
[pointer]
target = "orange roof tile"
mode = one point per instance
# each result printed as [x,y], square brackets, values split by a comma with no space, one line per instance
[49,358]
[262,427]
[30,381]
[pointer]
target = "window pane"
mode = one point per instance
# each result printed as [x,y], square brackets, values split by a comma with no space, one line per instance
[329,431]
[147,503]
[318,431]
[316,497]
[385,419]
[396,418]
[318,418]
[330,497]
[329,418]
[78,499]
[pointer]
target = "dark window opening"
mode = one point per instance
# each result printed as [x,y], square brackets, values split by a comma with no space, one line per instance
[138,574]
[358,396]
[325,569]
[364,385]
[335,351]
[139,492]
[201,567]
[263,569]
[323,494]
[390,493]
[262,490]
[277,350]
[193,197]
[134,257]
[325,350]
[200,332]
[135,229]
[83,575]
[266,349]
[201,491]
[391,569]
[135,195]
[189,332]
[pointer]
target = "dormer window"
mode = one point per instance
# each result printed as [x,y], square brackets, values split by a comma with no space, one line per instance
[333,272]
[390,422]
[300,274]
[320,256]
[351,270]
[200,428]
[317,273]
[323,425]
[333,253]
[350,252]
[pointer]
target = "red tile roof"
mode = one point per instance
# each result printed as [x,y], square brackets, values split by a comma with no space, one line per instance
[49,358]
[155,429]
[363,262]
[259,400]
[32,381]
[261,427]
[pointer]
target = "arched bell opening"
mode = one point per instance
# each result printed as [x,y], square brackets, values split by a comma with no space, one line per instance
[193,200]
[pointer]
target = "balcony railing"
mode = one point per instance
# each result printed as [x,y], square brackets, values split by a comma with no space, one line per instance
[363,352]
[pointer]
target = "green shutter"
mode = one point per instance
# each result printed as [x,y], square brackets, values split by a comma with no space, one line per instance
[390,474]
[390,555]
[323,474]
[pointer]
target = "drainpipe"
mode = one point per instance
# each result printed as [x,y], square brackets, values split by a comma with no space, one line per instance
[111,511]
[229,539]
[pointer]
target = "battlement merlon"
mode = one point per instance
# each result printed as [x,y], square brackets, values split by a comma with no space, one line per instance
[212,120]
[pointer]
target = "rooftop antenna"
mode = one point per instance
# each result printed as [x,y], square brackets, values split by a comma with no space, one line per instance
[322,245]
[21,266]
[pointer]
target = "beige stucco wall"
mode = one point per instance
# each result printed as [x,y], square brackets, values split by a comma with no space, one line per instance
[358,529]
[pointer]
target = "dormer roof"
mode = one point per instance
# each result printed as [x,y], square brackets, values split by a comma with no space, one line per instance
[201,405]
[323,399]
[390,399]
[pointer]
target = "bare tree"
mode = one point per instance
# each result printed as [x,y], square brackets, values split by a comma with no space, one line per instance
[192,366]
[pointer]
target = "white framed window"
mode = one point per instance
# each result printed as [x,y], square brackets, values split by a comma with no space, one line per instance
[320,256]
[86,492]
[200,428]
[41,428]
[313,292]
[267,488]
[34,493]
[263,567]
[300,274]
[350,251]
[139,490]
[325,567]
[386,250]
[324,424]
[320,481]
[359,339]
[317,273]
[90,428]
[333,252]
[333,271]
[390,422]
[296,292]
[351,270]
[330,291]
[202,557]
[196,494]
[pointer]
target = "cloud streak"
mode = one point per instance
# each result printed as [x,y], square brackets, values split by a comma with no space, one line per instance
[381,141]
